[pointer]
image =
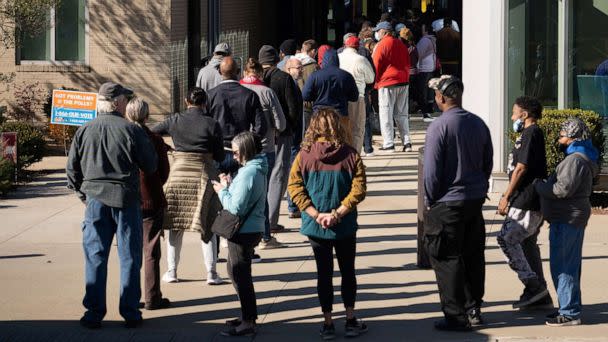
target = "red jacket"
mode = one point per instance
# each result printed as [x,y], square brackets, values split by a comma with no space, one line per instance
[392,62]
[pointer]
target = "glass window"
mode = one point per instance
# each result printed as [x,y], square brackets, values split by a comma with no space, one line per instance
[532,51]
[37,48]
[589,55]
[68,30]
[531,54]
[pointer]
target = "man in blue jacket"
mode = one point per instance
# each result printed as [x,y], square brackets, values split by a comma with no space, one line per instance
[331,87]
[457,165]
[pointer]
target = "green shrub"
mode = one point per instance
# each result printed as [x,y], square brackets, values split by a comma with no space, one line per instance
[31,145]
[7,175]
[551,124]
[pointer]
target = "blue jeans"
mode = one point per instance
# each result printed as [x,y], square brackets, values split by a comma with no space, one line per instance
[270,157]
[100,224]
[566,255]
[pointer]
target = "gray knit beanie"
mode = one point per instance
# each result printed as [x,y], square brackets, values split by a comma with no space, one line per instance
[268,55]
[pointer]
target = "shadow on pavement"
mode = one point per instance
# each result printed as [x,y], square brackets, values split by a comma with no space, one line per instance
[20,256]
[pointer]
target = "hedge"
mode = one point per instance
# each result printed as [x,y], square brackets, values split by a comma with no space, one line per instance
[7,175]
[31,145]
[551,124]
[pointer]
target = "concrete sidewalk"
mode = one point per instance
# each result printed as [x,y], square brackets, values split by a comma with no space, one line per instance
[42,266]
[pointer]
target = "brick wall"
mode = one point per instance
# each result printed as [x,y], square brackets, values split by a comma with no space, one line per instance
[178,58]
[244,19]
[128,43]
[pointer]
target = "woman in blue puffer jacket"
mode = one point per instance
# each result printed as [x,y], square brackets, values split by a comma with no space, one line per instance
[245,196]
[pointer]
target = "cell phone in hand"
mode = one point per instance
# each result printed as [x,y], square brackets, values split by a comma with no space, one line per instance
[214,182]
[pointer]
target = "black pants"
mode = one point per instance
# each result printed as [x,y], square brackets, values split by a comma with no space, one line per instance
[240,251]
[426,95]
[152,231]
[324,257]
[455,241]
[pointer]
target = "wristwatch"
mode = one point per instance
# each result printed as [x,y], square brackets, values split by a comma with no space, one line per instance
[334,214]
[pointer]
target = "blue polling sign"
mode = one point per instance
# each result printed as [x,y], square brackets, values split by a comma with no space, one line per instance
[74,108]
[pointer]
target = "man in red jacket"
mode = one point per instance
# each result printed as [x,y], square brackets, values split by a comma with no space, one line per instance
[392,62]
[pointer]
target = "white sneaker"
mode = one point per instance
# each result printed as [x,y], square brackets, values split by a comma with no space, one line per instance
[428,118]
[371,154]
[214,279]
[170,277]
[271,244]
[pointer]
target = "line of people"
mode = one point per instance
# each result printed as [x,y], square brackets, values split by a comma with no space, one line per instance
[242,143]
[457,166]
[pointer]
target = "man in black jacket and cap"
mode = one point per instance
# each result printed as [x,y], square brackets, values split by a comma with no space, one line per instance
[236,109]
[290,99]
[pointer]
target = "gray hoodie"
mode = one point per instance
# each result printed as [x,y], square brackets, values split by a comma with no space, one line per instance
[209,76]
[564,197]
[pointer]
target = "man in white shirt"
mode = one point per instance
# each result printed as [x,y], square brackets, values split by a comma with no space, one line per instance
[363,73]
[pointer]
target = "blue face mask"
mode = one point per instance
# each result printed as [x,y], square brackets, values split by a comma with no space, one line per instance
[518,125]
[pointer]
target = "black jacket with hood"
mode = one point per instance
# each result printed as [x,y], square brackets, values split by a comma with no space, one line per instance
[289,96]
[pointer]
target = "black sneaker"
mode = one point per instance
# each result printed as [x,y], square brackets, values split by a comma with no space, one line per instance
[327,332]
[90,324]
[474,316]
[354,327]
[445,325]
[552,315]
[407,147]
[163,303]
[256,258]
[545,303]
[533,292]
[133,323]
[563,321]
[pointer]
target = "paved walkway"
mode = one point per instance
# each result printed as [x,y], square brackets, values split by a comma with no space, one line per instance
[41,275]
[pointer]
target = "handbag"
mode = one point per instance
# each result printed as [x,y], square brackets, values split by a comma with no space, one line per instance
[227,224]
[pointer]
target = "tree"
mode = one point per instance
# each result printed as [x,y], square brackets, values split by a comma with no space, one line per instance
[23,17]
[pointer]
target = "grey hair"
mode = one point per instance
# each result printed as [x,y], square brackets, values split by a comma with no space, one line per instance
[107,105]
[248,145]
[137,110]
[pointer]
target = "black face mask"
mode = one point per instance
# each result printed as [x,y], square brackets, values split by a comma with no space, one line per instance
[563,148]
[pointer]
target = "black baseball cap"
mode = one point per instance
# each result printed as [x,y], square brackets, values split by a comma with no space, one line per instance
[111,90]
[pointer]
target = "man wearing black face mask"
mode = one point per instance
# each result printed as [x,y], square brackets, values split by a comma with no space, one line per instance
[521,205]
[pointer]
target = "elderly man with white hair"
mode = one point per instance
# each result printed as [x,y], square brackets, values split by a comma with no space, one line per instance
[103,167]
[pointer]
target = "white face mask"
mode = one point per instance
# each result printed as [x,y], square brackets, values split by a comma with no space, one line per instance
[377,36]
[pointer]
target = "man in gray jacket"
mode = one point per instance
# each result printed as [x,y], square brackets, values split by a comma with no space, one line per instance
[103,169]
[209,76]
[565,204]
